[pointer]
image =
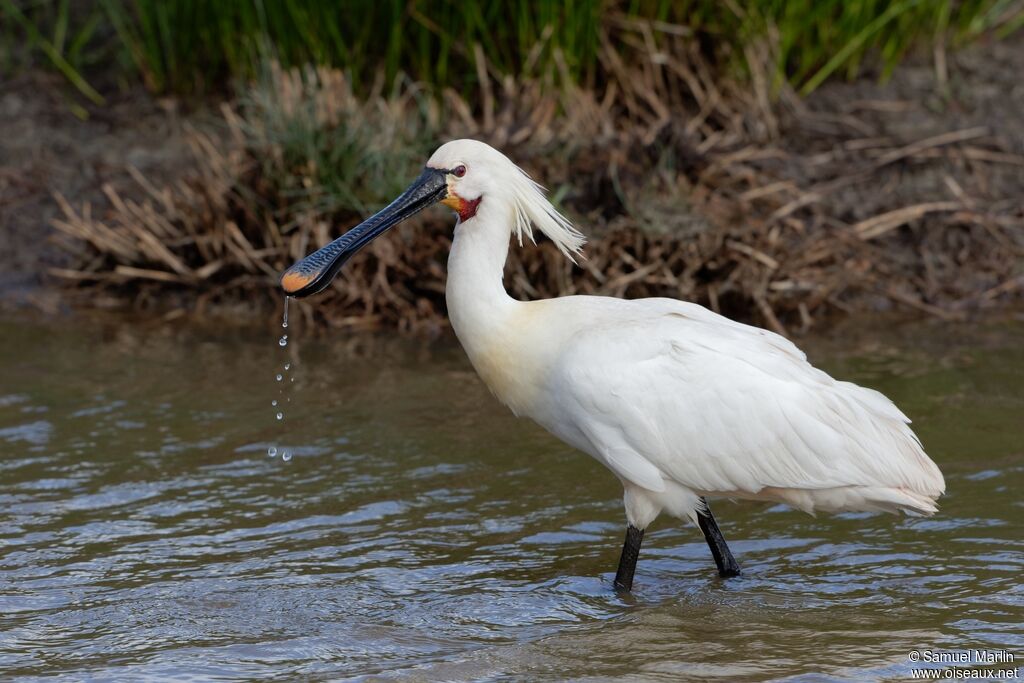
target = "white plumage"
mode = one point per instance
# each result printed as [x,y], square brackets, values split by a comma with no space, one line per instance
[671,395]
[677,401]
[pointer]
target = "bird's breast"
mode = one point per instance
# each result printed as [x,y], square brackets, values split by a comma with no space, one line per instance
[511,377]
[510,349]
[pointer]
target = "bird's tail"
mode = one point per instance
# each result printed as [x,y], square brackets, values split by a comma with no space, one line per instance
[860,498]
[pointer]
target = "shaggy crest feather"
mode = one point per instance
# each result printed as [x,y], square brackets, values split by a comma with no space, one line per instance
[533,208]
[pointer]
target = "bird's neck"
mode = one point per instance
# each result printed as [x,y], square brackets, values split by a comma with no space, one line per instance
[494,329]
[478,305]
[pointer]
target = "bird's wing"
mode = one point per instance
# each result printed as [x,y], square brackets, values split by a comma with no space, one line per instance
[675,390]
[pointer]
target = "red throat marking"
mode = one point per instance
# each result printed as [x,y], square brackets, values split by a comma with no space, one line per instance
[467,209]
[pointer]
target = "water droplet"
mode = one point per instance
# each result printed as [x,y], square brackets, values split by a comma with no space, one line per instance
[287,366]
[279,377]
[280,416]
[286,456]
[284,320]
[272,451]
[283,341]
[292,379]
[274,402]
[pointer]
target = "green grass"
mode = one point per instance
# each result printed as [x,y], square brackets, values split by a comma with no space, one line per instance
[46,28]
[324,151]
[189,46]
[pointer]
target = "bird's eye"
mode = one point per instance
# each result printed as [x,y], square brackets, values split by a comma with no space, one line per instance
[459,170]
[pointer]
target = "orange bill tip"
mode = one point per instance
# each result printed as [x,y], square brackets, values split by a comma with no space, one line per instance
[292,282]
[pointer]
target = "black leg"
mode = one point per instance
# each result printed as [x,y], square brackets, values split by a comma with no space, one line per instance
[727,565]
[627,562]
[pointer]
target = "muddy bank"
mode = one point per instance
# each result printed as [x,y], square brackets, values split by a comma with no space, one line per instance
[921,179]
[862,197]
[51,143]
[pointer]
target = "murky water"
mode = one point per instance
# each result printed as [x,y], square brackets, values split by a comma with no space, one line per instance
[420,532]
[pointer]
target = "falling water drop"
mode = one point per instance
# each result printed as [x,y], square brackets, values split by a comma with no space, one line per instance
[279,377]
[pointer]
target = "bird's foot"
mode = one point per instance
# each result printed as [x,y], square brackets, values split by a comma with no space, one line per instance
[729,571]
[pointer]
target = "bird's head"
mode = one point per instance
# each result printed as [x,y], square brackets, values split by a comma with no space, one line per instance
[464,175]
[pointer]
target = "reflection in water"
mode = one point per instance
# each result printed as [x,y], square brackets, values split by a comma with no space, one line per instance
[421,532]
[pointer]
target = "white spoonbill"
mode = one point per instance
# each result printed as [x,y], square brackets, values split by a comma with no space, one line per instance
[680,403]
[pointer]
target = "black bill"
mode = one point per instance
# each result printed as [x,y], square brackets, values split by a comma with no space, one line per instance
[313,273]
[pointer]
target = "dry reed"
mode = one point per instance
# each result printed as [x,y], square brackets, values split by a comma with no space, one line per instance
[681,178]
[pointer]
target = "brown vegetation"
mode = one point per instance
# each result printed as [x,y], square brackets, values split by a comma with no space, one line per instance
[688,184]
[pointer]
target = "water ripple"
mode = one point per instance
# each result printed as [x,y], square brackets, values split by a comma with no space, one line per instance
[148,536]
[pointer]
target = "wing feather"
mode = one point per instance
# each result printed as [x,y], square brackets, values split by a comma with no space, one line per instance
[680,392]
